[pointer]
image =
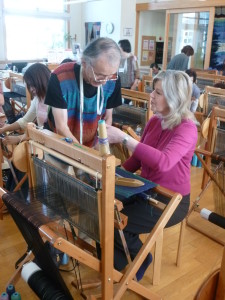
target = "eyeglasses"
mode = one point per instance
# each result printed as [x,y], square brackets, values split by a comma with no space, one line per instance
[104,78]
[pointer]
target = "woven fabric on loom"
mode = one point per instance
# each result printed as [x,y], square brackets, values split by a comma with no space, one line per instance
[124,192]
[67,197]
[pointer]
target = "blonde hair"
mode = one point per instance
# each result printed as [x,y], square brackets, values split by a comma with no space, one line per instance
[177,89]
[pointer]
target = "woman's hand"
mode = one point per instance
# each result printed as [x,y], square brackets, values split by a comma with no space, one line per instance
[12,139]
[3,129]
[115,135]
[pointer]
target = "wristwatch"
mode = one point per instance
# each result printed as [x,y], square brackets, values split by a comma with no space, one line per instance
[125,140]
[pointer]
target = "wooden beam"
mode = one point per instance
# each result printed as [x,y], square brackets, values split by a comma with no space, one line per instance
[175,4]
[209,38]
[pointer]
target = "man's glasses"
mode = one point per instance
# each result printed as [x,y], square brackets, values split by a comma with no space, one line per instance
[104,78]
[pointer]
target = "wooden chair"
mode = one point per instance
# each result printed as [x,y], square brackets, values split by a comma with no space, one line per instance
[146,83]
[157,261]
[213,287]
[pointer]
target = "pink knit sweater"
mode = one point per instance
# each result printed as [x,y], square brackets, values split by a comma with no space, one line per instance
[164,156]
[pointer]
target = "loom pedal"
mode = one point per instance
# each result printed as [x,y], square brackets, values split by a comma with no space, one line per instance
[89,284]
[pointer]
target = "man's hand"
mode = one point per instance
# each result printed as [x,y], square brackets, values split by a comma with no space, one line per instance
[61,121]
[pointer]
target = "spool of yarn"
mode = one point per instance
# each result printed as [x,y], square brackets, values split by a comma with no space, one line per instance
[16,296]
[103,139]
[4,296]
[213,217]
[42,285]
[194,160]
[65,259]
[10,290]
[199,164]
[28,270]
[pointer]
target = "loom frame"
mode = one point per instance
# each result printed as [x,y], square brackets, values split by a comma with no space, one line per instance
[103,167]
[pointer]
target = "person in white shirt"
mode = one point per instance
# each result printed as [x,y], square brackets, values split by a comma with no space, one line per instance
[195,90]
[36,78]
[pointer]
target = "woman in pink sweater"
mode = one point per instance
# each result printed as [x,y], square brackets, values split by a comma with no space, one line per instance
[163,154]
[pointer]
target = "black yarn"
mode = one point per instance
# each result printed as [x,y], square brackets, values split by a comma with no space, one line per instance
[44,288]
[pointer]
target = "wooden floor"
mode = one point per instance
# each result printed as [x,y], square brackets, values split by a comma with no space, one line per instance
[200,257]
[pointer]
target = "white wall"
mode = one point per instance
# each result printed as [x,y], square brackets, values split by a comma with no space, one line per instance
[100,11]
[122,13]
[128,20]
[152,24]
[2,33]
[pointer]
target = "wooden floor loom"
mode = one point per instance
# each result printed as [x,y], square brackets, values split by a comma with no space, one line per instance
[212,173]
[63,201]
[219,191]
[136,115]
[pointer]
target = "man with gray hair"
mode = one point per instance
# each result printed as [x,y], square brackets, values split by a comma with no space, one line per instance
[82,94]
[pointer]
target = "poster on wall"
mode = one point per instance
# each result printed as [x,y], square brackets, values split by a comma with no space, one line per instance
[148,47]
[218,42]
[92,31]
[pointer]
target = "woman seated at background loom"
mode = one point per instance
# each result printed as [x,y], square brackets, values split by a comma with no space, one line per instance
[36,78]
[154,69]
[195,90]
[163,154]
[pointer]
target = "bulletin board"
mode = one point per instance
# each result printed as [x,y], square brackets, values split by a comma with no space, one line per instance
[148,48]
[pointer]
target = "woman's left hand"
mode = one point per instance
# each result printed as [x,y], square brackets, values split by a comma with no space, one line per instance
[115,135]
[11,140]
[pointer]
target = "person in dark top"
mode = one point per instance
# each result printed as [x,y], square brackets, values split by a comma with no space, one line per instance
[180,61]
[195,90]
[81,95]
[128,70]
[220,85]
[155,69]
[223,68]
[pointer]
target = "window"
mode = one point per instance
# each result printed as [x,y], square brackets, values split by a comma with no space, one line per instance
[189,29]
[33,28]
